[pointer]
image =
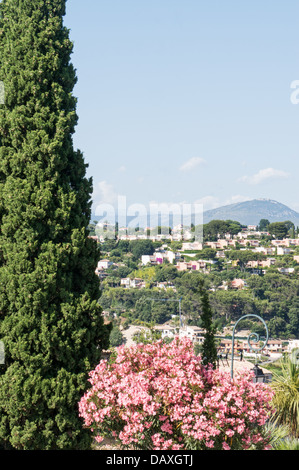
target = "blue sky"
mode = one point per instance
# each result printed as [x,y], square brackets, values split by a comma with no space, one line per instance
[187,100]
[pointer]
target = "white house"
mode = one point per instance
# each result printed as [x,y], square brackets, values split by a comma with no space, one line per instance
[137,283]
[286,270]
[192,246]
[148,259]
[274,346]
[132,283]
[265,250]
[194,333]
[165,285]
[104,264]
[125,282]
[167,331]
[281,250]
[158,257]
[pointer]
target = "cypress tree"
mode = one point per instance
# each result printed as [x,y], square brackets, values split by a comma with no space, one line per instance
[50,318]
[208,347]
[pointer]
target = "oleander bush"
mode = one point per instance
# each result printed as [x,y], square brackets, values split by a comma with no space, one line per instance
[160,396]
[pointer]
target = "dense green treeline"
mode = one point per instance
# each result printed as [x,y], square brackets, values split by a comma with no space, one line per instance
[269,293]
[274,296]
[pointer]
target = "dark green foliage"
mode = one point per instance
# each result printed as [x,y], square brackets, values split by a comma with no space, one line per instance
[243,257]
[208,349]
[215,228]
[166,273]
[279,229]
[196,300]
[50,319]
[141,247]
[263,225]
[116,337]
[273,295]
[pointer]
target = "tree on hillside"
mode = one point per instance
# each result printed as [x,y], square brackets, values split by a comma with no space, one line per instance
[208,348]
[279,229]
[141,247]
[214,229]
[263,225]
[243,257]
[234,227]
[218,228]
[50,319]
[193,288]
[116,337]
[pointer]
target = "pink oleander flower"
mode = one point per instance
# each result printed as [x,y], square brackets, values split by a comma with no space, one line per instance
[160,396]
[225,446]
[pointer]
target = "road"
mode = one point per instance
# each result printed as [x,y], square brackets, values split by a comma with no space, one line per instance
[130,332]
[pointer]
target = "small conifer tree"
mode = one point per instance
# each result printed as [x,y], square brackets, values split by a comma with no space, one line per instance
[50,318]
[208,348]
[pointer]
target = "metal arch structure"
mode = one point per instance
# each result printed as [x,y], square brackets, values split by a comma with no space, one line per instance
[250,337]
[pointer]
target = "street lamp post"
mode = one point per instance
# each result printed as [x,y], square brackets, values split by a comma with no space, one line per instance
[250,337]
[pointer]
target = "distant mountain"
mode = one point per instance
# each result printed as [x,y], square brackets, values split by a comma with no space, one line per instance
[251,212]
[247,213]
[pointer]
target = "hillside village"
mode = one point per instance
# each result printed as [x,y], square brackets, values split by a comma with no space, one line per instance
[282,254]
[247,254]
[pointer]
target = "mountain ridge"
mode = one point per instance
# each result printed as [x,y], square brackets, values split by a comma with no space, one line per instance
[247,213]
[252,211]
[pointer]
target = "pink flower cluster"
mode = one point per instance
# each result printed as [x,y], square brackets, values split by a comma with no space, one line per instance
[160,396]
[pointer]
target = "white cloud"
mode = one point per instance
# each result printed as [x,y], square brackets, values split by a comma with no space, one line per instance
[263,175]
[192,163]
[212,202]
[104,193]
[209,202]
[122,169]
[235,199]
